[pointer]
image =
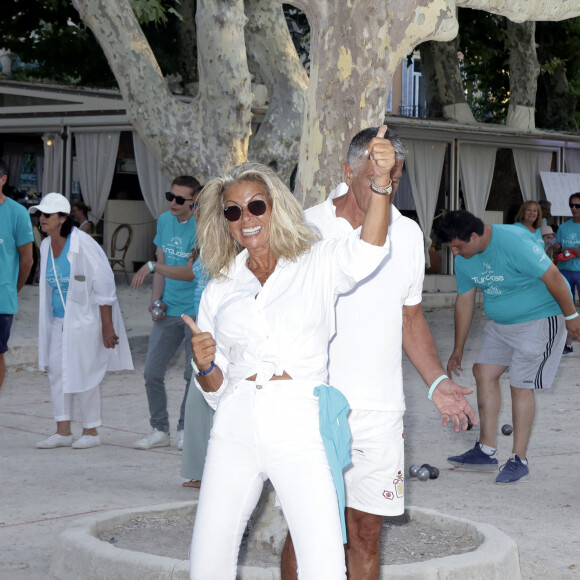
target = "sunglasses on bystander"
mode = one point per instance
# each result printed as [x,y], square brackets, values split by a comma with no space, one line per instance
[178,199]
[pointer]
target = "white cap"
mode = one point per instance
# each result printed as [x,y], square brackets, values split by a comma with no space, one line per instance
[52,203]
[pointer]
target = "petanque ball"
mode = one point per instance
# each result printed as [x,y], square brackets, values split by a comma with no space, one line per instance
[157,313]
[413,470]
[433,473]
[423,474]
[157,304]
[507,429]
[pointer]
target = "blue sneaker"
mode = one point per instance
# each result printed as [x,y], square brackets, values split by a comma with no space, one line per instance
[512,471]
[474,459]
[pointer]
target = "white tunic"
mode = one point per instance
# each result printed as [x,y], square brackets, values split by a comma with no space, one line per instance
[286,324]
[366,354]
[92,284]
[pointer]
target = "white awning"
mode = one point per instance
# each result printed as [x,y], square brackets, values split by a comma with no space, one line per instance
[558,188]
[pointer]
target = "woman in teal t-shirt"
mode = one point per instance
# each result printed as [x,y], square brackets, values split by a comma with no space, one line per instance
[81,330]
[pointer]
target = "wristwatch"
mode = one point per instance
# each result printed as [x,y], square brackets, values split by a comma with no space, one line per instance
[387,190]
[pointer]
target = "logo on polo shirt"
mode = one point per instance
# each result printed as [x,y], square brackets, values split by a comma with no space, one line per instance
[488,276]
[174,248]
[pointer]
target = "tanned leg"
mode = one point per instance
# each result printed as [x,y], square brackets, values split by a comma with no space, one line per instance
[63,428]
[363,551]
[488,400]
[523,413]
[289,565]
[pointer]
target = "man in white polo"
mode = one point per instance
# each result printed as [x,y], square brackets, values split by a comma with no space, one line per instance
[365,359]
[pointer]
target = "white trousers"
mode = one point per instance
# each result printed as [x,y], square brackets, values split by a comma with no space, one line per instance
[89,401]
[269,432]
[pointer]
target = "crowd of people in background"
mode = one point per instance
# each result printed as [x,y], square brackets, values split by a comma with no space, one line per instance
[277,312]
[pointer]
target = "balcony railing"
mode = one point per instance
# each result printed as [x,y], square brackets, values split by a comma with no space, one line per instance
[413,111]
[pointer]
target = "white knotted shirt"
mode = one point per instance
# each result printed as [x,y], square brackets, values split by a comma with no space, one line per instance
[286,324]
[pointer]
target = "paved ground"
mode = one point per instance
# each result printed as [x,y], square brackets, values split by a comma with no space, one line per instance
[43,491]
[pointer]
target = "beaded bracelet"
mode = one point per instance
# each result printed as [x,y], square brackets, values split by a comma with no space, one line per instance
[435,383]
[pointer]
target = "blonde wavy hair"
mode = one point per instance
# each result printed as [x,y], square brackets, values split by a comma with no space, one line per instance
[290,234]
[522,213]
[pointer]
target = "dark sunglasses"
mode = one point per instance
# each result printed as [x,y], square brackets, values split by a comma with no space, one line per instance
[575,205]
[234,212]
[46,215]
[178,199]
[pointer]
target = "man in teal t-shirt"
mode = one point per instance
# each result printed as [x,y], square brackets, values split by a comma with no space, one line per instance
[569,238]
[175,240]
[15,261]
[530,307]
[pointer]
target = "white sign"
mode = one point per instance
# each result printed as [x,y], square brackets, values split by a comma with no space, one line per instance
[559,187]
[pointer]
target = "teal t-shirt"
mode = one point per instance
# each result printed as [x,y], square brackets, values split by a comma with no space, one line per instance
[569,236]
[535,237]
[63,275]
[200,281]
[177,240]
[15,231]
[509,271]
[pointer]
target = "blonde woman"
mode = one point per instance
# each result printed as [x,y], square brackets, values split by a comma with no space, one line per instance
[529,217]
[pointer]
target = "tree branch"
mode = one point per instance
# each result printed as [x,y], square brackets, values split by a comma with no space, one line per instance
[525,10]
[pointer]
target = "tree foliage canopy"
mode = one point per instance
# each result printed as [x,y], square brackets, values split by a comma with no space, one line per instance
[483,45]
[51,42]
[485,64]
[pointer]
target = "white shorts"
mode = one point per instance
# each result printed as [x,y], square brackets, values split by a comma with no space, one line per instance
[532,350]
[375,481]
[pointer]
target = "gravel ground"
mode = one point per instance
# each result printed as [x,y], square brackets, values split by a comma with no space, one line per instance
[401,543]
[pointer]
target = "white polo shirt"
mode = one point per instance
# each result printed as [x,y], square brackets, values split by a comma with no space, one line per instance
[286,324]
[365,355]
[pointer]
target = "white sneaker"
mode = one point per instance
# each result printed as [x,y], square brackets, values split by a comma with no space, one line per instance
[86,442]
[180,440]
[55,440]
[155,439]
